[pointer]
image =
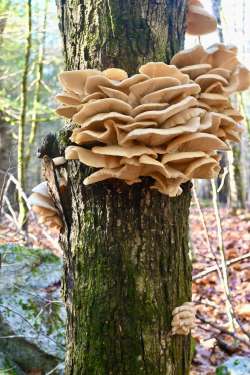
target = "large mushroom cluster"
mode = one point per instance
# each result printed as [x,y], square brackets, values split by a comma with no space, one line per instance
[219,74]
[150,124]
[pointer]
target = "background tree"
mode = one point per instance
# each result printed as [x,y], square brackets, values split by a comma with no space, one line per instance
[126,248]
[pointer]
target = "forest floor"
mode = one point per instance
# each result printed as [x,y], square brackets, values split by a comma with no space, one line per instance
[213,344]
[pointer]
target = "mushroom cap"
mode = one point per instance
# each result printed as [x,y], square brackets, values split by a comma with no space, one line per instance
[214,100]
[148,107]
[68,98]
[199,21]
[225,73]
[196,142]
[115,74]
[203,168]
[91,159]
[105,135]
[136,125]
[191,56]
[93,83]
[160,69]
[170,93]
[39,200]
[116,94]
[183,117]
[128,152]
[75,80]
[125,172]
[205,80]
[156,137]
[99,119]
[162,115]
[153,84]
[42,189]
[196,70]
[234,114]
[68,111]
[101,106]
[243,75]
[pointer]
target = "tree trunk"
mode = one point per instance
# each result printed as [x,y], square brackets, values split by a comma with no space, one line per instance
[126,248]
[22,122]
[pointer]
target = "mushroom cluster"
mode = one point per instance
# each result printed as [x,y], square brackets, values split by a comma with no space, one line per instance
[150,124]
[219,74]
[183,319]
[199,21]
[42,204]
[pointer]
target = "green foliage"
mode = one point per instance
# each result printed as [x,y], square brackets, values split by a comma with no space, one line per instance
[11,69]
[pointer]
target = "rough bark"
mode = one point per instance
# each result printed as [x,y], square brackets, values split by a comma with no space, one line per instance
[126,248]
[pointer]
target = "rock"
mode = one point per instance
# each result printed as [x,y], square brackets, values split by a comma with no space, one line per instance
[236,365]
[32,315]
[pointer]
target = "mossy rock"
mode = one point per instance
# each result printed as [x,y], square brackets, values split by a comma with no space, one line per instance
[8,367]
[235,366]
[31,308]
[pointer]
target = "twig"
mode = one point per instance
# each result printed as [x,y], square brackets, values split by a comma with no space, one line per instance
[211,269]
[222,330]
[221,249]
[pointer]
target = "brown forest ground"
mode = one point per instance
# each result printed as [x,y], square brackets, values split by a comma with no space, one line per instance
[212,346]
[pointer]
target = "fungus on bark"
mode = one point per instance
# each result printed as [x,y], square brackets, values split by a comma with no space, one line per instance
[42,204]
[126,126]
[199,21]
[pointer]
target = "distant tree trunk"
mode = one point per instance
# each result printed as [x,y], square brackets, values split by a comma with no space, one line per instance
[38,85]
[126,248]
[22,122]
[5,137]
[233,186]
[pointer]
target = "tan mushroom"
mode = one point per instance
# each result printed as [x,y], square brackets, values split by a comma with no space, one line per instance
[191,56]
[75,80]
[116,94]
[197,142]
[162,115]
[128,152]
[107,134]
[156,137]
[125,172]
[91,159]
[196,70]
[69,98]
[170,93]
[160,69]
[115,74]
[148,107]
[93,83]
[101,106]
[183,319]
[199,21]
[183,117]
[96,122]
[42,204]
[205,167]
[68,111]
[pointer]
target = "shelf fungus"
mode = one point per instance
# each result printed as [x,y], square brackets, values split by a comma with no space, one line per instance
[199,21]
[42,204]
[183,319]
[167,122]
